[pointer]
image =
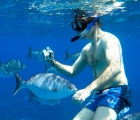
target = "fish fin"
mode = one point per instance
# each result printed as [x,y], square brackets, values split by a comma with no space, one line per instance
[37,102]
[32,95]
[30,52]
[46,69]
[19,83]
[1,65]
[31,99]
[8,72]
[67,55]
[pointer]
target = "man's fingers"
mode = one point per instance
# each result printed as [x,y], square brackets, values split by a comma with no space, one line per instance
[78,98]
[74,95]
[83,99]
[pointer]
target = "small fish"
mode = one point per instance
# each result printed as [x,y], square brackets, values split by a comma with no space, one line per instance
[43,101]
[120,20]
[74,56]
[46,86]
[13,66]
[135,13]
[52,70]
[134,116]
[3,73]
[36,55]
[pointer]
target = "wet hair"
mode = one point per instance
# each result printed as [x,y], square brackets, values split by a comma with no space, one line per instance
[88,15]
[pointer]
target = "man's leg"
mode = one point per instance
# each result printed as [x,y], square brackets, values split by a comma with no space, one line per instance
[84,114]
[105,113]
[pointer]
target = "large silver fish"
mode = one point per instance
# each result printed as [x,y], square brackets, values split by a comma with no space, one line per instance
[13,66]
[134,116]
[36,54]
[44,101]
[74,56]
[46,86]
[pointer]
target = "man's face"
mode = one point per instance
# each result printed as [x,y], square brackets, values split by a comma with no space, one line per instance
[84,27]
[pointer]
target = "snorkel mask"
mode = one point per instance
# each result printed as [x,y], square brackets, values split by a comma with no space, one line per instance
[83,25]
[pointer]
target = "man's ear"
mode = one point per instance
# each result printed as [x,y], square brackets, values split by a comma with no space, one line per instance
[96,24]
[99,23]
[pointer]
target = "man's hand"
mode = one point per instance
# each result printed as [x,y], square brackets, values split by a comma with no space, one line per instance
[80,96]
[48,55]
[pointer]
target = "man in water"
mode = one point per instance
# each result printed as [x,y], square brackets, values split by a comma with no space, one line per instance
[104,55]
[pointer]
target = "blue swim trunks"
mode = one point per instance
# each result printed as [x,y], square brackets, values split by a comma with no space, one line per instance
[116,98]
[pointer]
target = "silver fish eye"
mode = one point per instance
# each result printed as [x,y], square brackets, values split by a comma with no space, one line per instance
[70,87]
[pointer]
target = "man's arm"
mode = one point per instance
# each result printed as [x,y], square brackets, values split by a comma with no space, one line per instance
[73,70]
[113,57]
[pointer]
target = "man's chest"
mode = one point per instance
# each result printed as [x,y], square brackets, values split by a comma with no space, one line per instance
[96,56]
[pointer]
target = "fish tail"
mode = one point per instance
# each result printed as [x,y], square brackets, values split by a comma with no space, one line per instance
[30,52]
[19,83]
[67,55]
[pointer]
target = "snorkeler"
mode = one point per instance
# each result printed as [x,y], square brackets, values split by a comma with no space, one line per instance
[103,54]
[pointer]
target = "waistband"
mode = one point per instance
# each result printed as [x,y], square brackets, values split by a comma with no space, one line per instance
[122,86]
[105,91]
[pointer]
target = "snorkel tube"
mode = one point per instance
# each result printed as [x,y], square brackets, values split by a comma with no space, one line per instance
[86,30]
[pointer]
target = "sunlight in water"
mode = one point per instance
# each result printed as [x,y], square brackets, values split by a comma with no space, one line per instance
[60,8]
[34,16]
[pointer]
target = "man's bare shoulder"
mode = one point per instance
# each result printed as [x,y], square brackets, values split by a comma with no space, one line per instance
[86,47]
[108,36]
[110,40]
[111,44]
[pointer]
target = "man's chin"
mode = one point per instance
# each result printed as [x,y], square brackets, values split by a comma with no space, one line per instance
[82,37]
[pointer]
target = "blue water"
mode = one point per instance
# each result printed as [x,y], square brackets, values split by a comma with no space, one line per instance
[21,27]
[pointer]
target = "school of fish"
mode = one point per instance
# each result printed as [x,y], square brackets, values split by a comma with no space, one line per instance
[46,88]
